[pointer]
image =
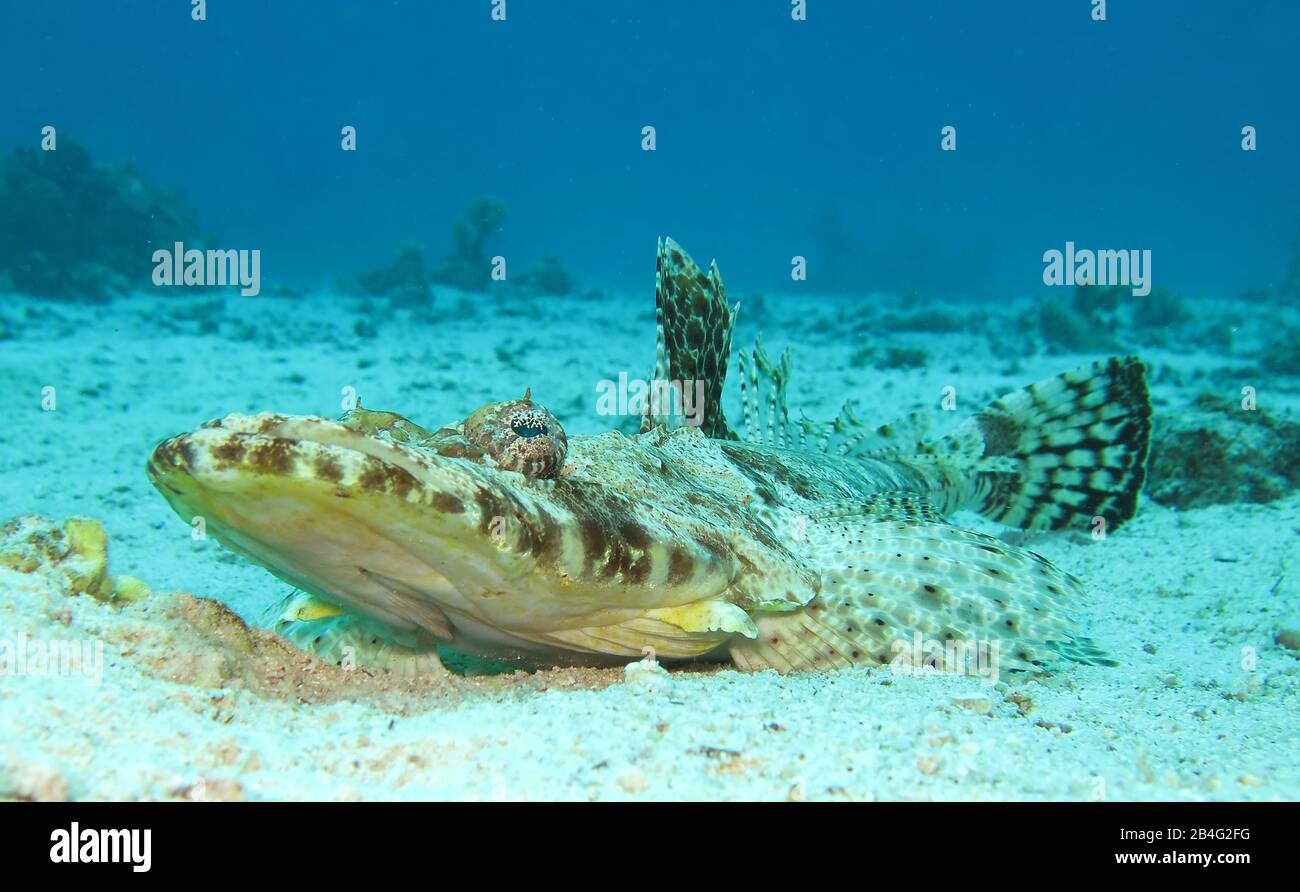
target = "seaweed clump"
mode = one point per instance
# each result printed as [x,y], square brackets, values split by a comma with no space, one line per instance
[1215,452]
[71,229]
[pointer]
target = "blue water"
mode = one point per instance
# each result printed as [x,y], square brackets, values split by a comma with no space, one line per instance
[775,138]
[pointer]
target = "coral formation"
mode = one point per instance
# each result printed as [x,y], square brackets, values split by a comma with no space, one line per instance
[1215,452]
[73,554]
[468,267]
[1086,324]
[72,229]
[404,280]
[1159,309]
[1100,319]
[1065,330]
[546,276]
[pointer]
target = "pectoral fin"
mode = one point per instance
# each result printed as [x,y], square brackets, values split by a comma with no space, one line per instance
[302,607]
[338,637]
[707,616]
[894,573]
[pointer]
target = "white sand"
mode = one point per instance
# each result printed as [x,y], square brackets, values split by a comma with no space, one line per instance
[1176,597]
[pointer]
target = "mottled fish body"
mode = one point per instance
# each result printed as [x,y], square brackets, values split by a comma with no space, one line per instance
[797,546]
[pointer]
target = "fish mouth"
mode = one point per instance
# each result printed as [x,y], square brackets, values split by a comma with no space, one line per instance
[392,532]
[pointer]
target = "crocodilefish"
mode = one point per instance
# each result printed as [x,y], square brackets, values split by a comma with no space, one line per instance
[784,543]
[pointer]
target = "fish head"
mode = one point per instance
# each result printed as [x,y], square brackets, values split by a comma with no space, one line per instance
[496,533]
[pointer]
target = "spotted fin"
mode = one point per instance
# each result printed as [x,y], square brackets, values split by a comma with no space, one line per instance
[894,575]
[1075,448]
[693,327]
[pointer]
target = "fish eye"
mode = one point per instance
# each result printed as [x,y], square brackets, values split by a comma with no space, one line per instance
[519,435]
[529,424]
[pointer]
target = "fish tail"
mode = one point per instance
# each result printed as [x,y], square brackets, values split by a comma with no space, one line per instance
[1065,451]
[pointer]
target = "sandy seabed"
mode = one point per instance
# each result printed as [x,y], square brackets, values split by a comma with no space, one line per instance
[1195,605]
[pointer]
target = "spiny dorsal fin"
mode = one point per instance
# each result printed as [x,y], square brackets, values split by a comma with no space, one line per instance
[763,397]
[693,326]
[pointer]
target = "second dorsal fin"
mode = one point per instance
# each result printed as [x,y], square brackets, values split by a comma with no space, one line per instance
[762,396]
[850,437]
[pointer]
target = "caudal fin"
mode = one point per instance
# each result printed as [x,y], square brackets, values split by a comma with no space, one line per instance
[1076,446]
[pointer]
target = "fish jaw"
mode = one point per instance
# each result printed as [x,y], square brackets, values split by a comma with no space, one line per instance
[413,539]
[302,496]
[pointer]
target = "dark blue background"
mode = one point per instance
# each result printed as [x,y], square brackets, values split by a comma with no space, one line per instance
[1121,134]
